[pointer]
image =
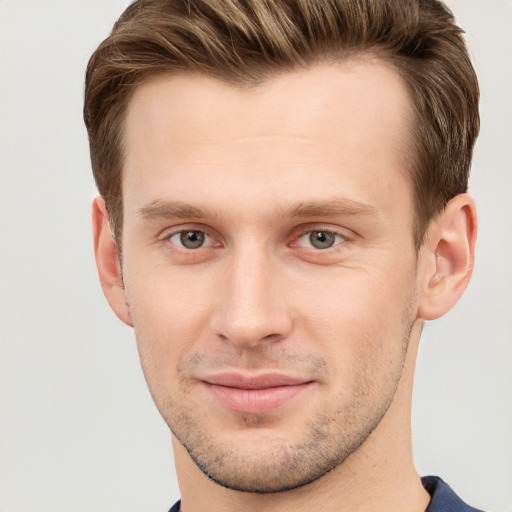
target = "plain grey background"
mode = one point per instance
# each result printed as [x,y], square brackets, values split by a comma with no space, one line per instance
[78,430]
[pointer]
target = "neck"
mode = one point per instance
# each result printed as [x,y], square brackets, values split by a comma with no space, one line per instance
[379,476]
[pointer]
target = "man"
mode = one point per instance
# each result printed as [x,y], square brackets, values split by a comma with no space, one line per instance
[282,205]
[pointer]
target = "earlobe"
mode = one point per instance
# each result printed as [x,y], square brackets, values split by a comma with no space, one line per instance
[107,261]
[448,257]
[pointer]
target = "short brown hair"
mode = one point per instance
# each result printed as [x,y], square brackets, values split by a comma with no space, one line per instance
[243,42]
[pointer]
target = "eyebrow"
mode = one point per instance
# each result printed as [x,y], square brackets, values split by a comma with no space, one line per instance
[337,207]
[173,209]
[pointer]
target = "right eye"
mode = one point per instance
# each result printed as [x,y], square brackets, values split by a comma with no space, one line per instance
[190,239]
[320,239]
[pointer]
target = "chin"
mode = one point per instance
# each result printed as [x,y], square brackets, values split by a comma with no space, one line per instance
[264,460]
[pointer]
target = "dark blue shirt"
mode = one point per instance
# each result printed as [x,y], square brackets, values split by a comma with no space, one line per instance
[442,498]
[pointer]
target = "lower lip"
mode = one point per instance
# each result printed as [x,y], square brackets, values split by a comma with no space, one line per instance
[255,401]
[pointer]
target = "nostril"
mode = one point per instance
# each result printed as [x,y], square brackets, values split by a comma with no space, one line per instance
[272,337]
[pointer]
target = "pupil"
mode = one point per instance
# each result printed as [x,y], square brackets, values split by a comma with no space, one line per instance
[192,239]
[321,239]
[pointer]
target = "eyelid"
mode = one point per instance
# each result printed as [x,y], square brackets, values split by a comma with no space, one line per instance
[344,233]
[166,234]
[206,239]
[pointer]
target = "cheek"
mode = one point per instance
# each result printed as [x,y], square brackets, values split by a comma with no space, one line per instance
[170,313]
[361,317]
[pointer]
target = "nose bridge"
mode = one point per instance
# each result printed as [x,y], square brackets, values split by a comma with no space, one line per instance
[252,307]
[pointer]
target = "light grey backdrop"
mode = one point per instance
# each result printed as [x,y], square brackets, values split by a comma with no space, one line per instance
[78,430]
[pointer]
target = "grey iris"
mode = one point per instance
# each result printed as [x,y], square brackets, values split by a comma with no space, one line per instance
[321,239]
[192,239]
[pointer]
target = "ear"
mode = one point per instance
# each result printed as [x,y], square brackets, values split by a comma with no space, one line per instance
[107,261]
[447,257]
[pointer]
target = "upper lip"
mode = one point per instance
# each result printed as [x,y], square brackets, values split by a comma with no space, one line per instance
[261,381]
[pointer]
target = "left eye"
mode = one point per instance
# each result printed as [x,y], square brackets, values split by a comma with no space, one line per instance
[190,239]
[320,239]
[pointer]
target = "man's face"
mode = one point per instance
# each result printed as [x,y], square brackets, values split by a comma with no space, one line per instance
[269,264]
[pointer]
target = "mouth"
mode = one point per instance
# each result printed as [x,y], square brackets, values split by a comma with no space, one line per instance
[254,394]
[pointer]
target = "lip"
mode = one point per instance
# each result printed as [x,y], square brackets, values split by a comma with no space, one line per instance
[254,394]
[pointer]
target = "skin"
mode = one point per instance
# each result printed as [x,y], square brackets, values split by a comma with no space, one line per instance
[255,172]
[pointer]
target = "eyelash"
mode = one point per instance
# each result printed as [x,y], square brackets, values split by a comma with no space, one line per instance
[339,238]
[168,238]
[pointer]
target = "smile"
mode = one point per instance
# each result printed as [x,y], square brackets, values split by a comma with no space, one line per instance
[254,395]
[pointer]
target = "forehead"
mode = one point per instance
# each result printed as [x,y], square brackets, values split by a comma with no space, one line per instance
[332,126]
[351,92]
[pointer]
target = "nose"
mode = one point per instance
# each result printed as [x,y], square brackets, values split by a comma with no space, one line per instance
[253,307]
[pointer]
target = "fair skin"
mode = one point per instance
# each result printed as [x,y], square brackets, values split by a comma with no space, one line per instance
[270,274]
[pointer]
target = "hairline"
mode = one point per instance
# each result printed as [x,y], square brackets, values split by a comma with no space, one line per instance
[407,144]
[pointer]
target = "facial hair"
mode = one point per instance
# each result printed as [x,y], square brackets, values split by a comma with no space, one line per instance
[327,440]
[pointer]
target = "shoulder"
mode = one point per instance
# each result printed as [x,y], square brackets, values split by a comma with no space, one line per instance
[443,498]
[175,507]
